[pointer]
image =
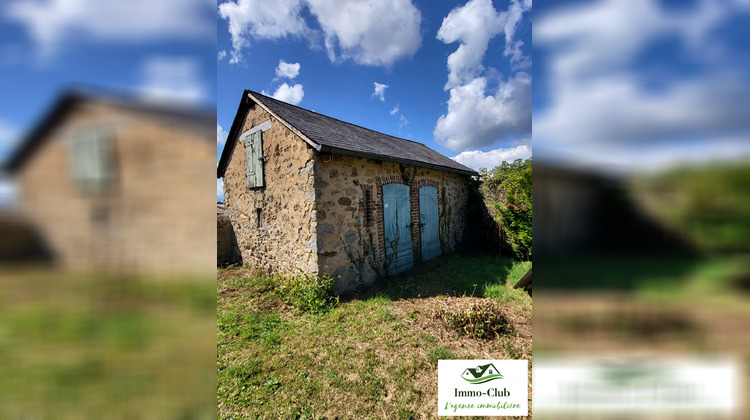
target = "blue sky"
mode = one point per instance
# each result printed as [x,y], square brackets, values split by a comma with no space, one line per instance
[628,85]
[616,83]
[164,49]
[385,66]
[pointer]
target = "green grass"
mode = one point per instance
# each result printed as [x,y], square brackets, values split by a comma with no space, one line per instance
[313,363]
[502,291]
[708,284]
[78,347]
[698,278]
[439,352]
[618,271]
[454,275]
[358,359]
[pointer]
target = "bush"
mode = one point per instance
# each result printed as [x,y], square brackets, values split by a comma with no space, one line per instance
[511,183]
[308,293]
[481,321]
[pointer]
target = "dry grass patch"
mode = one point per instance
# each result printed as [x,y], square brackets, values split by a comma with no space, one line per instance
[481,320]
[428,316]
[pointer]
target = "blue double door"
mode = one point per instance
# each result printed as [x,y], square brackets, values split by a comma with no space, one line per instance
[399,248]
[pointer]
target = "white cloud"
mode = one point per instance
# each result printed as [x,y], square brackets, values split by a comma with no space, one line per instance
[516,9]
[394,111]
[476,159]
[8,139]
[482,111]
[221,136]
[370,32]
[288,70]
[476,120]
[254,18]
[52,23]
[221,55]
[402,121]
[473,25]
[289,94]
[517,59]
[8,133]
[600,102]
[379,91]
[220,189]
[8,193]
[172,78]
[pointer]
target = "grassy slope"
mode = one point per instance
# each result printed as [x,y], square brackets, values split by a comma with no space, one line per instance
[374,356]
[94,347]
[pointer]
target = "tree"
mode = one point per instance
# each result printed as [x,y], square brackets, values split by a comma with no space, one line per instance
[509,186]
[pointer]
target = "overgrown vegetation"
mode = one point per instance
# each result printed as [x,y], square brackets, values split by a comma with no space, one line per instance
[444,228]
[508,187]
[408,172]
[374,355]
[307,293]
[708,205]
[363,253]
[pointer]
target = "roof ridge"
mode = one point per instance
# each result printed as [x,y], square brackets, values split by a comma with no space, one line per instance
[342,121]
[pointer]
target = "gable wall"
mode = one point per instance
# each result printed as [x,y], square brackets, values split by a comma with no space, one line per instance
[343,212]
[151,218]
[285,241]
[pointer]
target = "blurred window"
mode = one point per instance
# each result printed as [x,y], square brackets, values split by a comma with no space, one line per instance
[92,158]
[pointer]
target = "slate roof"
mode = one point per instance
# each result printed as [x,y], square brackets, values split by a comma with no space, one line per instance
[329,135]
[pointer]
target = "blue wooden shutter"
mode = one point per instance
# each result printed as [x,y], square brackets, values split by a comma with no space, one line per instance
[249,168]
[258,146]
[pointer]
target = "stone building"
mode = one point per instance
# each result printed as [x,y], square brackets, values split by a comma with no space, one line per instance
[113,183]
[309,192]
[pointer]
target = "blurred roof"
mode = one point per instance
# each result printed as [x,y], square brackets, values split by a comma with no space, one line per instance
[329,135]
[175,111]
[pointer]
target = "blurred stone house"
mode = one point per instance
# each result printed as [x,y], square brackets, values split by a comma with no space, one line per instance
[579,210]
[116,183]
[309,192]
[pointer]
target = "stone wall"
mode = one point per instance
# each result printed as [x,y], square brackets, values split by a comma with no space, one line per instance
[227,250]
[350,235]
[151,218]
[283,238]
